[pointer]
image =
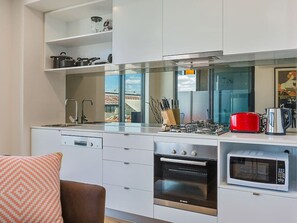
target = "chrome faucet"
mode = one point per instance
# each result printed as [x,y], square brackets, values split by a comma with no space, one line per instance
[83,117]
[76,116]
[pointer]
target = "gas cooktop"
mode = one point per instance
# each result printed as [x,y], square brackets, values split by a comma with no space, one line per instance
[201,127]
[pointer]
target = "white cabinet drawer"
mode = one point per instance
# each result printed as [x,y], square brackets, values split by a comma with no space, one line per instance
[129,200]
[246,207]
[128,175]
[128,141]
[178,216]
[128,155]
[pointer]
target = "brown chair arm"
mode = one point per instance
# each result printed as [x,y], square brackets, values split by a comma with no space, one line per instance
[82,202]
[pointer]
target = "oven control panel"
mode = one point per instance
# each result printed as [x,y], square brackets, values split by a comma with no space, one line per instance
[186,150]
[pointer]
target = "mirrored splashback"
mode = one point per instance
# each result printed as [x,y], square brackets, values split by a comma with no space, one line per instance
[132,95]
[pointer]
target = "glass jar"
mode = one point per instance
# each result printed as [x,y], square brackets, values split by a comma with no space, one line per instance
[96,24]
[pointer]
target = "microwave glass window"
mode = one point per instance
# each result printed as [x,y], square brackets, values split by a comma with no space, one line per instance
[256,170]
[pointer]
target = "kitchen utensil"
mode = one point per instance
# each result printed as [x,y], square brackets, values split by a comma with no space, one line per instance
[278,120]
[93,59]
[82,61]
[96,24]
[85,61]
[67,62]
[109,58]
[58,59]
[249,122]
[107,25]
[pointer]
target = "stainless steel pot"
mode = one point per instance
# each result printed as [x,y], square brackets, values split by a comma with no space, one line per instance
[278,120]
[62,61]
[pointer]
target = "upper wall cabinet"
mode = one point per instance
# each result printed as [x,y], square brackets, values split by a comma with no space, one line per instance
[70,30]
[191,26]
[137,35]
[259,26]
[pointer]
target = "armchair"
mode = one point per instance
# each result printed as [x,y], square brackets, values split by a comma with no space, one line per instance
[82,202]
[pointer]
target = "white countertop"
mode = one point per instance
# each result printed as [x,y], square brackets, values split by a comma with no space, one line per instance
[136,128]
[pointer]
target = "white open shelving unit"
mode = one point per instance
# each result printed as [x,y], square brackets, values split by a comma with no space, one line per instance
[69,30]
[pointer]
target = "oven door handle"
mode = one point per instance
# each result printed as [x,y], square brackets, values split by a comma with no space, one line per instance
[189,162]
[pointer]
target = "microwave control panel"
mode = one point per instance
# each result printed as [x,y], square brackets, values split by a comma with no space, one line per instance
[281,172]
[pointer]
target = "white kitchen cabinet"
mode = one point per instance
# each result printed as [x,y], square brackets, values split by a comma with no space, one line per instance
[177,215]
[192,26]
[259,26]
[246,207]
[69,30]
[137,35]
[142,142]
[137,156]
[128,173]
[129,200]
[45,141]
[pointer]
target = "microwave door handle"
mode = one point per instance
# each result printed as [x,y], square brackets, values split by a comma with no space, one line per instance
[189,162]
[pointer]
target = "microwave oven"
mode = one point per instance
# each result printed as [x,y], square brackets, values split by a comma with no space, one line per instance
[262,169]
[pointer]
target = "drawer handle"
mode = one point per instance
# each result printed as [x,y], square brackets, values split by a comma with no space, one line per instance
[126,134]
[256,194]
[127,163]
[126,148]
[127,188]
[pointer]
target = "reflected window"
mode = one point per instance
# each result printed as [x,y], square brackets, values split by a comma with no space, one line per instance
[133,97]
[215,93]
[124,98]
[233,91]
[112,98]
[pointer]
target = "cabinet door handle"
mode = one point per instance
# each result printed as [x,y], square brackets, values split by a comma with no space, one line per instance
[127,163]
[127,188]
[126,134]
[126,148]
[256,194]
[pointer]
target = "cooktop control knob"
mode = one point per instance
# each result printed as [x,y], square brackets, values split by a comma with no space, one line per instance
[194,153]
[173,151]
[184,152]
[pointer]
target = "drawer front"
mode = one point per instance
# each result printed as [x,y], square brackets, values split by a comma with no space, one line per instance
[128,155]
[245,207]
[128,141]
[129,200]
[128,175]
[176,215]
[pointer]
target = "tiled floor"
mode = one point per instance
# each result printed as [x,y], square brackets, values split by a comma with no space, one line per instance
[113,220]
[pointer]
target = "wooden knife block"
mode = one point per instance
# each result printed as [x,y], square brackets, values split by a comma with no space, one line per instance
[171,117]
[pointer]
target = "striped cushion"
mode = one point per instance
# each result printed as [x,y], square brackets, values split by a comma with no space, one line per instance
[30,189]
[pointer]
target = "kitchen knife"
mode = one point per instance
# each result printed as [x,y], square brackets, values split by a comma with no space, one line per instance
[161,106]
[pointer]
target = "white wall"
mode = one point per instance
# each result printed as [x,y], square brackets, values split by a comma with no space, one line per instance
[43,94]
[86,87]
[28,96]
[5,75]
[264,88]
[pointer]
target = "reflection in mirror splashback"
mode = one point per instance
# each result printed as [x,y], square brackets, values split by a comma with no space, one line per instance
[210,93]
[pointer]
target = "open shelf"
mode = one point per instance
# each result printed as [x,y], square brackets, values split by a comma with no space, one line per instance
[86,69]
[87,39]
[86,10]
[50,5]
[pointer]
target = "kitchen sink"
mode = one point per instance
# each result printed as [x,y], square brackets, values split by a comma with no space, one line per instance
[95,122]
[61,125]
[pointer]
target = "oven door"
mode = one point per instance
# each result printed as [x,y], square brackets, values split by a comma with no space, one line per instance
[186,184]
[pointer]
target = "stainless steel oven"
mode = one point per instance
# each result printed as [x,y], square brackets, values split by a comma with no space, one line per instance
[185,177]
